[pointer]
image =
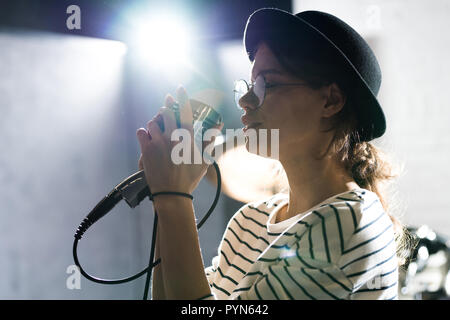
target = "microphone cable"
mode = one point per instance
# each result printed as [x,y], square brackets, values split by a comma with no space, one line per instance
[104,207]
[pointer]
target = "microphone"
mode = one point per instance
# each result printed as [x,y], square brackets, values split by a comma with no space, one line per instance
[134,188]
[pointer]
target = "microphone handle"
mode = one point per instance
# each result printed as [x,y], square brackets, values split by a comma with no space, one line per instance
[104,206]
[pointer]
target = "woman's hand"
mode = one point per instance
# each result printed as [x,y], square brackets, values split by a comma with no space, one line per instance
[156,146]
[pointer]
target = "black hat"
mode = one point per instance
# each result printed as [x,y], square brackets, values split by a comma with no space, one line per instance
[339,40]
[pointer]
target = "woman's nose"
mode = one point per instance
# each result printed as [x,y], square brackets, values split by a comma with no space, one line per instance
[249,101]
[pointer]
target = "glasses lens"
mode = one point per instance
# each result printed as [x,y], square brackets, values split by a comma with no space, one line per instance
[259,89]
[240,89]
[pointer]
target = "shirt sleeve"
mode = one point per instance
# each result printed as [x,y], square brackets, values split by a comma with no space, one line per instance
[369,259]
[303,268]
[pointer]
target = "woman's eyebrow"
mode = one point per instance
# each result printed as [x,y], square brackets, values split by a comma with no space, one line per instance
[263,72]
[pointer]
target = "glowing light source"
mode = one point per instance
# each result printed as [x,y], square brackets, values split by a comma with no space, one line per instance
[163,40]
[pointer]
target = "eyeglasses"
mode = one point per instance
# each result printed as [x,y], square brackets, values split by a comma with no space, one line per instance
[241,88]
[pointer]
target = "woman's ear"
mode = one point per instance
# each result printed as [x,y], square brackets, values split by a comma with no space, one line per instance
[335,101]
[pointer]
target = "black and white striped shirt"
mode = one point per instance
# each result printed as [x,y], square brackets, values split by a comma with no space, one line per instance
[343,248]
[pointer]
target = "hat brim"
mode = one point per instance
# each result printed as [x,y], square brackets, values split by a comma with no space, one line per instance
[371,118]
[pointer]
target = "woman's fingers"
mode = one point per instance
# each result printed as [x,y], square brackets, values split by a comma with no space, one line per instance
[154,131]
[186,118]
[169,101]
[143,138]
[165,122]
[170,123]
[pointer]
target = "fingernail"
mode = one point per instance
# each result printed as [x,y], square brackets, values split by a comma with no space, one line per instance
[181,91]
[169,99]
[140,133]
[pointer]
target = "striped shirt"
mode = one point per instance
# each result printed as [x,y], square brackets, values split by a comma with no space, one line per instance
[343,248]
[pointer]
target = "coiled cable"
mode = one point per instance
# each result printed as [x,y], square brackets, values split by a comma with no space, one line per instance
[109,202]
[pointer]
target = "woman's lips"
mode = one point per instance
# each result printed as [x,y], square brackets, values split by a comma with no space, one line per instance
[249,123]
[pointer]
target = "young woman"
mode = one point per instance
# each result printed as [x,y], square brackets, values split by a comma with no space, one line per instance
[330,237]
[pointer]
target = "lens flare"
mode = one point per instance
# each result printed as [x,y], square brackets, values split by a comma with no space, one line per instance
[163,40]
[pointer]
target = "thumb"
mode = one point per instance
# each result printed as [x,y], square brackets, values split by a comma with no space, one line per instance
[143,137]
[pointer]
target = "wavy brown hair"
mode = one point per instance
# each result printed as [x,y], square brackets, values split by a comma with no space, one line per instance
[366,163]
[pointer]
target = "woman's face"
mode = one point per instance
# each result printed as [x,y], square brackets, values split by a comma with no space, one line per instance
[297,111]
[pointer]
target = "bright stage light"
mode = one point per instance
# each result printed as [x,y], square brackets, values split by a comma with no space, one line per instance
[163,40]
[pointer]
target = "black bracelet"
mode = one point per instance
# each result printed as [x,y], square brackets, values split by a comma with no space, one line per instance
[187,195]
